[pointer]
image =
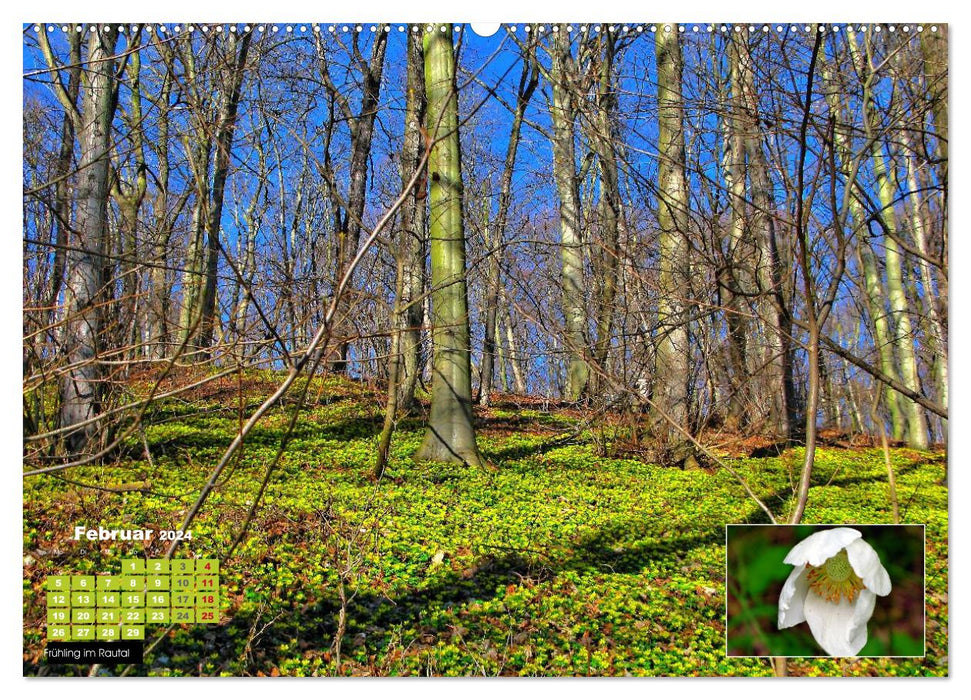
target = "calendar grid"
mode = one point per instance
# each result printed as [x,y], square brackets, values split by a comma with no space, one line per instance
[113,607]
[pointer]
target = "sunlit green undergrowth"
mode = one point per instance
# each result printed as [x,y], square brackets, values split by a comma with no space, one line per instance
[554,562]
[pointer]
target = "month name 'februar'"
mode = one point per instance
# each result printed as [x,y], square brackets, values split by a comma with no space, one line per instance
[81,532]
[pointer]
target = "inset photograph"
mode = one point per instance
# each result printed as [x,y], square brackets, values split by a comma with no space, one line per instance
[825,590]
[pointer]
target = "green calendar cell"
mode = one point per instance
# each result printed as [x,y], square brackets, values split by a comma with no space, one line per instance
[80,599]
[58,583]
[82,616]
[109,616]
[182,616]
[157,566]
[207,600]
[58,616]
[157,583]
[133,583]
[182,566]
[83,633]
[133,600]
[135,616]
[207,566]
[184,583]
[61,633]
[183,600]
[109,599]
[108,633]
[82,583]
[161,616]
[133,566]
[207,583]
[132,632]
[58,600]
[207,617]
[109,583]
[158,600]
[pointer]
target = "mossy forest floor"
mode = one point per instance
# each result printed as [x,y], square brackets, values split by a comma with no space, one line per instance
[554,562]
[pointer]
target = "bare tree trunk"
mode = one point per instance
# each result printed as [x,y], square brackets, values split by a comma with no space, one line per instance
[223,145]
[81,386]
[501,356]
[874,296]
[563,114]
[671,357]
[199,156]
[450,436]
[604,140]
[933,47]
[413,223]
[165,214]
[515,358]
[771,269]
[903,338]
[937,335]
[730,280]
[527,85]
[492,237]
[130,197]
[242,296]
[62,199]
[362,130]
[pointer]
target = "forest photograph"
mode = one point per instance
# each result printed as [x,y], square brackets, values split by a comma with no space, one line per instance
[357,349]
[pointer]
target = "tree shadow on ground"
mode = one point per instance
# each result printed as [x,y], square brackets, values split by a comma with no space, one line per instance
[374,615]
[777,500]
[354,428]
[523,451]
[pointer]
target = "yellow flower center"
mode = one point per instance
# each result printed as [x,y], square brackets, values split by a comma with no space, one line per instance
[835,578]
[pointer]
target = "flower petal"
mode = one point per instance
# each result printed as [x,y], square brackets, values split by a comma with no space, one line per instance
[792,597]
[820,546]
[866,563]
[839,628]
[864,605]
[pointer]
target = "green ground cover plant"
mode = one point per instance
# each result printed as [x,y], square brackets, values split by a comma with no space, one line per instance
[553,560]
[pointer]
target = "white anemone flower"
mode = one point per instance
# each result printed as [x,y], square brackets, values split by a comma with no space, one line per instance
[834,588]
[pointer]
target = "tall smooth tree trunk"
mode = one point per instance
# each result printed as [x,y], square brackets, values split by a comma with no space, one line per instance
[730,280]
[670,393]
[450,436]
[874,295]
[81,386]
[903,337]
[563,114]
[937,335]
[875,303]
